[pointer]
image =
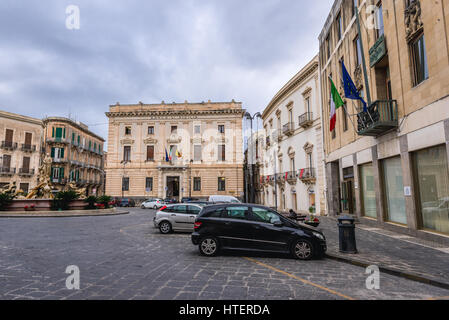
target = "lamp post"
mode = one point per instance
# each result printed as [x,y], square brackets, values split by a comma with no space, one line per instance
[251,161]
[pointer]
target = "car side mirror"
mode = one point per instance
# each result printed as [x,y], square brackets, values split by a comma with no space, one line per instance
[278,223]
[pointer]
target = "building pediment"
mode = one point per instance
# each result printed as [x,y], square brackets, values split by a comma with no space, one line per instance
[150,141]
[127,141]
[174,139]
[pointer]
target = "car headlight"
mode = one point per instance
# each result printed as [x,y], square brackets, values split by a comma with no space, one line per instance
[318,235]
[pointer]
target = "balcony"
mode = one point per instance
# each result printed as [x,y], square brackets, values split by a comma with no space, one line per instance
[58,140]
[28,148]
[292,177]
[9,145]
[280,178]
[81,182]
[305,120]
[382,117]
[277,135]
[307,175]
[59,180]
[5,171]
[26,172]
[59,160]
[288,128]
[271,180]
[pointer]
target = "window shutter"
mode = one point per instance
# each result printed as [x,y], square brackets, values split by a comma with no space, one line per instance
[53,132]
[150,153]
[62,153]
[52,152]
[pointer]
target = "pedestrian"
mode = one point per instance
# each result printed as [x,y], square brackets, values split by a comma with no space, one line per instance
[292,215]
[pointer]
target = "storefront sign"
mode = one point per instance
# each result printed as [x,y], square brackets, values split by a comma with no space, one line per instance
[408,191]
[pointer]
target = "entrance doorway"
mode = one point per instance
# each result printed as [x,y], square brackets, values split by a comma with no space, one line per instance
[173,187]
[348,192]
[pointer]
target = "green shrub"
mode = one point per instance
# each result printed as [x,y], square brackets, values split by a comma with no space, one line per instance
[5,200]
[104,200]
[91,201]
[63,199]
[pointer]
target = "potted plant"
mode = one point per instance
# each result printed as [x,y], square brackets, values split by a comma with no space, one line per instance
[313,220]
[30,208]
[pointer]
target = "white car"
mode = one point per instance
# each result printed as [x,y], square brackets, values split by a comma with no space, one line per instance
[177,217]
[223,199]
[153,204]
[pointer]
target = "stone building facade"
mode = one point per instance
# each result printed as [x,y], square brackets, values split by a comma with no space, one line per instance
[388,165]
[175,150]
[21,143]
[292,171]
[77,155]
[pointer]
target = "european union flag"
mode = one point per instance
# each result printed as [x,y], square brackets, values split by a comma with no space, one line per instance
[351,91]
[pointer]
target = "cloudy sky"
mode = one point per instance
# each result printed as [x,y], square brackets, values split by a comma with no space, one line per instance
[151,50]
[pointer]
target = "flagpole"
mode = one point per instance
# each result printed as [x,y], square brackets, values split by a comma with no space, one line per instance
[368,94]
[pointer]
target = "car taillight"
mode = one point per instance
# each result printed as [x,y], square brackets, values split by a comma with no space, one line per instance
[163,208]
[197,225]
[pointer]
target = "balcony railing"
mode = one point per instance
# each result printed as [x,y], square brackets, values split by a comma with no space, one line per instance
[57,140]
[280,178]
[288,128]
[9,145]
[26,172]
[271,179]
[7,171]
[307,174]
[277,135]
[59,160]
[292,177]
[306,119]
[28,148]
[59,180]
[380,118]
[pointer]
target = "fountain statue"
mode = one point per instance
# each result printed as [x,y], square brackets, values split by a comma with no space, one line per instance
[80,191]
[44,188]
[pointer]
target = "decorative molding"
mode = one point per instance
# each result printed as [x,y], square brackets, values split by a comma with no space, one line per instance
[150,141]
[127,141]
[307,92]
[174,139]
[308,148]
[413,20]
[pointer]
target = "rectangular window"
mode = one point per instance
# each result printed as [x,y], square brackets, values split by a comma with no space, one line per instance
[127,130]
[6,161]
[221,184]
[26,164]
[197,130]
[197,156]
[58,133]
[28,138]
[149,184]
[379,21]
[419,56]
[151,130]
[432,176]
[125,184]
[174,129]
[394,190]
[345,118]
[339,26]
[196,184]
[328,47]
[221,128]
[127,153]
[368,191]
[150,153]
[221,152]
[354,5]
[24,187]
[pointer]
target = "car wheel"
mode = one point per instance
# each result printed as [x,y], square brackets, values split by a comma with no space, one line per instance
[302,250]
[165,227]
[142,207]
[209,247]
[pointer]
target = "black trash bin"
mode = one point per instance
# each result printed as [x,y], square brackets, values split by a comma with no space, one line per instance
[346,228]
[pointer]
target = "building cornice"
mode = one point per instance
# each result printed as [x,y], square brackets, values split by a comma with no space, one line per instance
[18,117]
[171,113]
[292,85]
[74,124]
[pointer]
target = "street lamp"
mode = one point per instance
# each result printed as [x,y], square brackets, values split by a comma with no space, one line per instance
[250,117]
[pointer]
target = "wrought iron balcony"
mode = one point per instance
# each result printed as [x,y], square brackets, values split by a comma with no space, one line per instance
[280,178]
[277,135]
[288,128]
[292,177]
[382,117]
[307,175]
[59,160]
[28,147]
[9,145]
[59,180]
[7,171]
[305,120]
[57,140]
[26,172]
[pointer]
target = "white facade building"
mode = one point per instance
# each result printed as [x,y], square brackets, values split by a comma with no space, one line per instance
[292,171]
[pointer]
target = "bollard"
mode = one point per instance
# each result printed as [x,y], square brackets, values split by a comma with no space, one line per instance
[346,228]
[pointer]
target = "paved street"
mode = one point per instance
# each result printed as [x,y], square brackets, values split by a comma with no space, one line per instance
[124,257]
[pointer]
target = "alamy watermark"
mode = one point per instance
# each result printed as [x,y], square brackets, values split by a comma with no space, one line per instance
[73,19]
[373,280]
[73,280]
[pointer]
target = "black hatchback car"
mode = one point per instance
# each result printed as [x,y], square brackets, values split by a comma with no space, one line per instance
[254,228]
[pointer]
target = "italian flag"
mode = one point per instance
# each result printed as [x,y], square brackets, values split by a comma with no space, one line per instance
[336,102]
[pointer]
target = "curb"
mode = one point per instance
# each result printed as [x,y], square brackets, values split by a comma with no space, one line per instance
[390,270]
[75,215]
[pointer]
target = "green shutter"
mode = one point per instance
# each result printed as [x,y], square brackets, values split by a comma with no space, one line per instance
[58,132]
[53,132]
[64,133]
[79,139]
[62,153]
[52,152]
[61,173]
[73,137]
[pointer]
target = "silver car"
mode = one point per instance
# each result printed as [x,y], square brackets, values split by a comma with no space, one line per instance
[177,217]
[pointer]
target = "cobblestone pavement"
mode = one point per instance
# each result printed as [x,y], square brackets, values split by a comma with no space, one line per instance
[397,252]
[124,257]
